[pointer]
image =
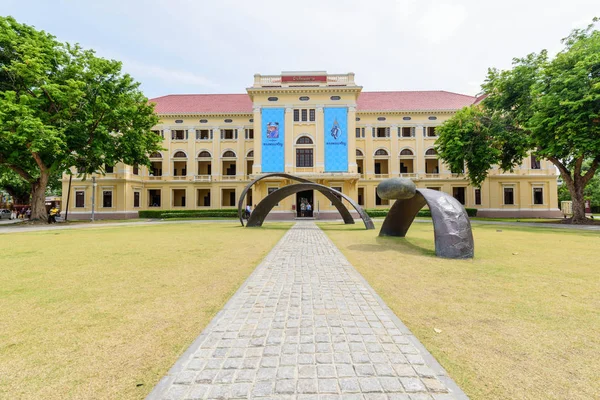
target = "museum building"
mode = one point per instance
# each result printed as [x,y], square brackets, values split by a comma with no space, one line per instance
[318,126]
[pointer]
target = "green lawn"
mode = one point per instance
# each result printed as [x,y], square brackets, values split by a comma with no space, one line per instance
[105,312]
[520,321]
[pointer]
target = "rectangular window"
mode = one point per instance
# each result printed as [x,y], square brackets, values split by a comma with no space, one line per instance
[159,133]
[407,131]
[304,158]
[304,114]
[79,199]
[535,163]
[136,170]
[202,134]
[431,131]
[249,133]
[271,190]
[136,199]
[109,169]
[228,134]
[154,197]
[382,132]
[107,198]
[357,132]
[178,134]
[296,115]
[509,195]
[339,189]
[538,195]
[478,197]
[459,194]
[311,115]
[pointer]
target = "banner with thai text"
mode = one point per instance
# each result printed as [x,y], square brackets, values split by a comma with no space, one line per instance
[273,133]
[336,139]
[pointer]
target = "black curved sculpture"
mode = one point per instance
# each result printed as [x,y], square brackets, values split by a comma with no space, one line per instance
[346,216]
[451,225]
[264,207]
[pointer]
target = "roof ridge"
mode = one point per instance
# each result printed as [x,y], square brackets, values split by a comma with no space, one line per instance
[418,91]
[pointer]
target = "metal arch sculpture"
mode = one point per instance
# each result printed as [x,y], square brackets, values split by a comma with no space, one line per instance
[451,225]
[346,216]
[264,207]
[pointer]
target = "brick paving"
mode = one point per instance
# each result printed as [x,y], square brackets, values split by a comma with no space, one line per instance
[306,325]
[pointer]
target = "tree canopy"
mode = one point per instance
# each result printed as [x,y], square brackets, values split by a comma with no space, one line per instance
[61,106]
[547,107]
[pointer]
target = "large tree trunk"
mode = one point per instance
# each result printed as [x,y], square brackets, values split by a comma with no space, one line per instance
[38,197]
[578,203]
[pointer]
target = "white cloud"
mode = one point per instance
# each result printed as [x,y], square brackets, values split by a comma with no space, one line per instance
[441,21]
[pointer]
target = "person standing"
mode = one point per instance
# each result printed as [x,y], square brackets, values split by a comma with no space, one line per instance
[53,214]
[308,210]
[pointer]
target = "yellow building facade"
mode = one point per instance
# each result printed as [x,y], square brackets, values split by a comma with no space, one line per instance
[315,125]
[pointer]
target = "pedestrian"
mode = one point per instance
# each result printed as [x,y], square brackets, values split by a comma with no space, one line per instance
[302,209]
[248,211]
[308,210]
[13,214]
[52,216]
[28,213]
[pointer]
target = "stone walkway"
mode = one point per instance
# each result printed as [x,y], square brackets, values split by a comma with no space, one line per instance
[306,325]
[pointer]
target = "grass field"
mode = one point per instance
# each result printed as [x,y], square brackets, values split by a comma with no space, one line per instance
[520,321]
[104,312]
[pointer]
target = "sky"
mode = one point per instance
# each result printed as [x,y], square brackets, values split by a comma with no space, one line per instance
[186,46]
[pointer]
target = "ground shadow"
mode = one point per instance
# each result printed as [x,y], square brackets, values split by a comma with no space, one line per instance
[398,244]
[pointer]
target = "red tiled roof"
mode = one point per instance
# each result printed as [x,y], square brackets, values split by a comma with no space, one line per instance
[203,104]
[367,101]
[413,101]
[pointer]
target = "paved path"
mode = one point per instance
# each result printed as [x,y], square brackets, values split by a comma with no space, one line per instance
[306,325]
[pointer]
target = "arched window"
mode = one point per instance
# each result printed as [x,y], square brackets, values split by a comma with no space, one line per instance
[229,153]
[156,154]
[381,152]
[431,152]
[250,154]
[180,154]
[204,154]
[359,153]
[304,140]
[406,152]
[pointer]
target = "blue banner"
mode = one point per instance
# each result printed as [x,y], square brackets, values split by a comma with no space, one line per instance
[336,139]
[273,133]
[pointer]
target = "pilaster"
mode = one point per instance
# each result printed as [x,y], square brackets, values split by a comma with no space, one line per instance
[257,166]
[319,139]
[352,167]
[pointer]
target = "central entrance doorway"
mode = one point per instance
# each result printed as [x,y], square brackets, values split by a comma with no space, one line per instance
[303,199]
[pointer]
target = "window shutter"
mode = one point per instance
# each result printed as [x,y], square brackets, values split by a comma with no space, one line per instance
[399,132]
[172,135]
[374,131]
[186,134]
[222,134]
[424,132]
[235,132]
[363,132]
[413,131]
[387,131]
[211,134]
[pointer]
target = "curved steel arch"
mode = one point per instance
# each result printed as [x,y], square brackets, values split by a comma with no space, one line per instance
[342,210]
[451,225]
[264,207]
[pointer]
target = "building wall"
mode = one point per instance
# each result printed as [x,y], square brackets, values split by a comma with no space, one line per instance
[123,183]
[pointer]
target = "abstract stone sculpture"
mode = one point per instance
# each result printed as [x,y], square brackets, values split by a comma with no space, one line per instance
[451,225]
[264,207]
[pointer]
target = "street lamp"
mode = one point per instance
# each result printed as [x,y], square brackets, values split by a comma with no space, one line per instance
[93,195]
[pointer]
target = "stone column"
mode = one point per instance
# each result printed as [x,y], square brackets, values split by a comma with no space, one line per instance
[167,163]
[288,152]
[394,168]
[216,156]
[368,161]
[352,167]
[319,139]
[419,151]
[257,166]
[240,168]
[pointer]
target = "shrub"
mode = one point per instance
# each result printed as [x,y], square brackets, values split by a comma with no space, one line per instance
[227,213]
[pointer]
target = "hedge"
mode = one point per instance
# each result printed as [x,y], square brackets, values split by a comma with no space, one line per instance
[228,213]
[382,212]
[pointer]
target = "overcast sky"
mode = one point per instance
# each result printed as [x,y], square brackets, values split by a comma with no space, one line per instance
[186,46]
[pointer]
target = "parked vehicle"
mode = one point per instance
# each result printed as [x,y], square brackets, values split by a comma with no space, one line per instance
[4,213]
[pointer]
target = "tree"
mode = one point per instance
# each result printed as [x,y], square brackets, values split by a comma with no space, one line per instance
[550,108]
[62,107]
[15,186]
